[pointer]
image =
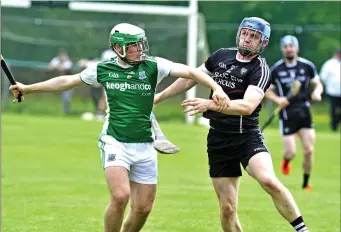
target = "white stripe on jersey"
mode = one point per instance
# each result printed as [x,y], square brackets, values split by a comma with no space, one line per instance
[265,74]
[261,78]
[281,94]
[279,87]
[308,62]
[316,77]
[241,124]
[278,63]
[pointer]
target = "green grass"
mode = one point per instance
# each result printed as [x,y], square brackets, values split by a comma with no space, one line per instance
[52,181]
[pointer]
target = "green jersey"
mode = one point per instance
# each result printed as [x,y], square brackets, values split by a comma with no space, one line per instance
[130,95]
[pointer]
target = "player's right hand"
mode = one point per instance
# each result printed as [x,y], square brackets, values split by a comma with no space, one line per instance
[157,99]
[221,99]
[17,89]
[283,102]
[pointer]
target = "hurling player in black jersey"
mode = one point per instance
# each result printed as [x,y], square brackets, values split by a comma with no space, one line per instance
[234,137]
[295,116]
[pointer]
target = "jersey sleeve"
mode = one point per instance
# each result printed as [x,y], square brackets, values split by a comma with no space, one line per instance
[204,69]
[208,66]
[164,67]
[260,78]
[273,78]
[313,72]
[89,75]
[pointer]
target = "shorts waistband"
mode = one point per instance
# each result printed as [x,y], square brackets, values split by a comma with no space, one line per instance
[225,128]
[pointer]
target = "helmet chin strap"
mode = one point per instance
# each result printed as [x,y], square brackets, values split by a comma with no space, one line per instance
[125,60]
[246,51]
[132,63]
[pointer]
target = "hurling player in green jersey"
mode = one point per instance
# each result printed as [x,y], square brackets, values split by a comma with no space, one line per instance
[126,144]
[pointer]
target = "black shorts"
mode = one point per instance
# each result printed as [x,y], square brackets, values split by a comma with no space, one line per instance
[295,119]
[227,150]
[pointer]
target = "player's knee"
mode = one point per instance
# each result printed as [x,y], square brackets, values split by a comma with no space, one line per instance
[120,199]
[290,153]
[228,209]
[142,208]
[270,184]
[308,150]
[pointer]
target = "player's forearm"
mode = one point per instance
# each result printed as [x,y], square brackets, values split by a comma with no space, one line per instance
[181,85]
[236,107]
[318,87]
[102,102]
[56,84]
[203,79]
[271,95]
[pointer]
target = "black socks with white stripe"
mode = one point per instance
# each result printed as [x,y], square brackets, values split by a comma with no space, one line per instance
[299,225]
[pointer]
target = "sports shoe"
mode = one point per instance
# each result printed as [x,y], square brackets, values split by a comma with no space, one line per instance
[308,187]
[286,167]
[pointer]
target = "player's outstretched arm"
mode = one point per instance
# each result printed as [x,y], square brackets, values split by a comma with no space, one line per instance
[102,102]
[57,84]
[179,86]
[252,98]
[219,96]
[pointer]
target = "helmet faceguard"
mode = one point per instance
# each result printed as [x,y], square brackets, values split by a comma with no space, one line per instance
[258,25]
[126,35]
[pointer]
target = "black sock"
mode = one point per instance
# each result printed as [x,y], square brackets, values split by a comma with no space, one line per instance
[305,180]
[299,225]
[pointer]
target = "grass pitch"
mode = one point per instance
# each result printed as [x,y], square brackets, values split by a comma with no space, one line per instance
[52,181]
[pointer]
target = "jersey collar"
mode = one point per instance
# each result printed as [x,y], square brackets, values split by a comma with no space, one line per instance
[242,61]
[122,65]
[291,65]
[245,61]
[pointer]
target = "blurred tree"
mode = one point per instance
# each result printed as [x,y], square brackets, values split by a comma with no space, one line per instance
[316,24]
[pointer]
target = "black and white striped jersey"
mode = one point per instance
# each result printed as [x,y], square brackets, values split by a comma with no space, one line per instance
[282,76]
[235,76]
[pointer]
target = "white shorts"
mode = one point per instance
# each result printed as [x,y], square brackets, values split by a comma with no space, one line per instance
[140,159]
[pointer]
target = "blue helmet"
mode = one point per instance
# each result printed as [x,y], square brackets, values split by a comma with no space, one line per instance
[289,39]
[256,24]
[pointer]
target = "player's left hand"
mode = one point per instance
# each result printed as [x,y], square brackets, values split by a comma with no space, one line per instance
[316,96]
[221,99]
[197,105]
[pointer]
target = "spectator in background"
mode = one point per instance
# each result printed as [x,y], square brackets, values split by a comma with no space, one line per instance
[330,76]
[96,89]
[61,64]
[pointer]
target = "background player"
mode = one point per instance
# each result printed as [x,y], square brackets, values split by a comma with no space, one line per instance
[295,118]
